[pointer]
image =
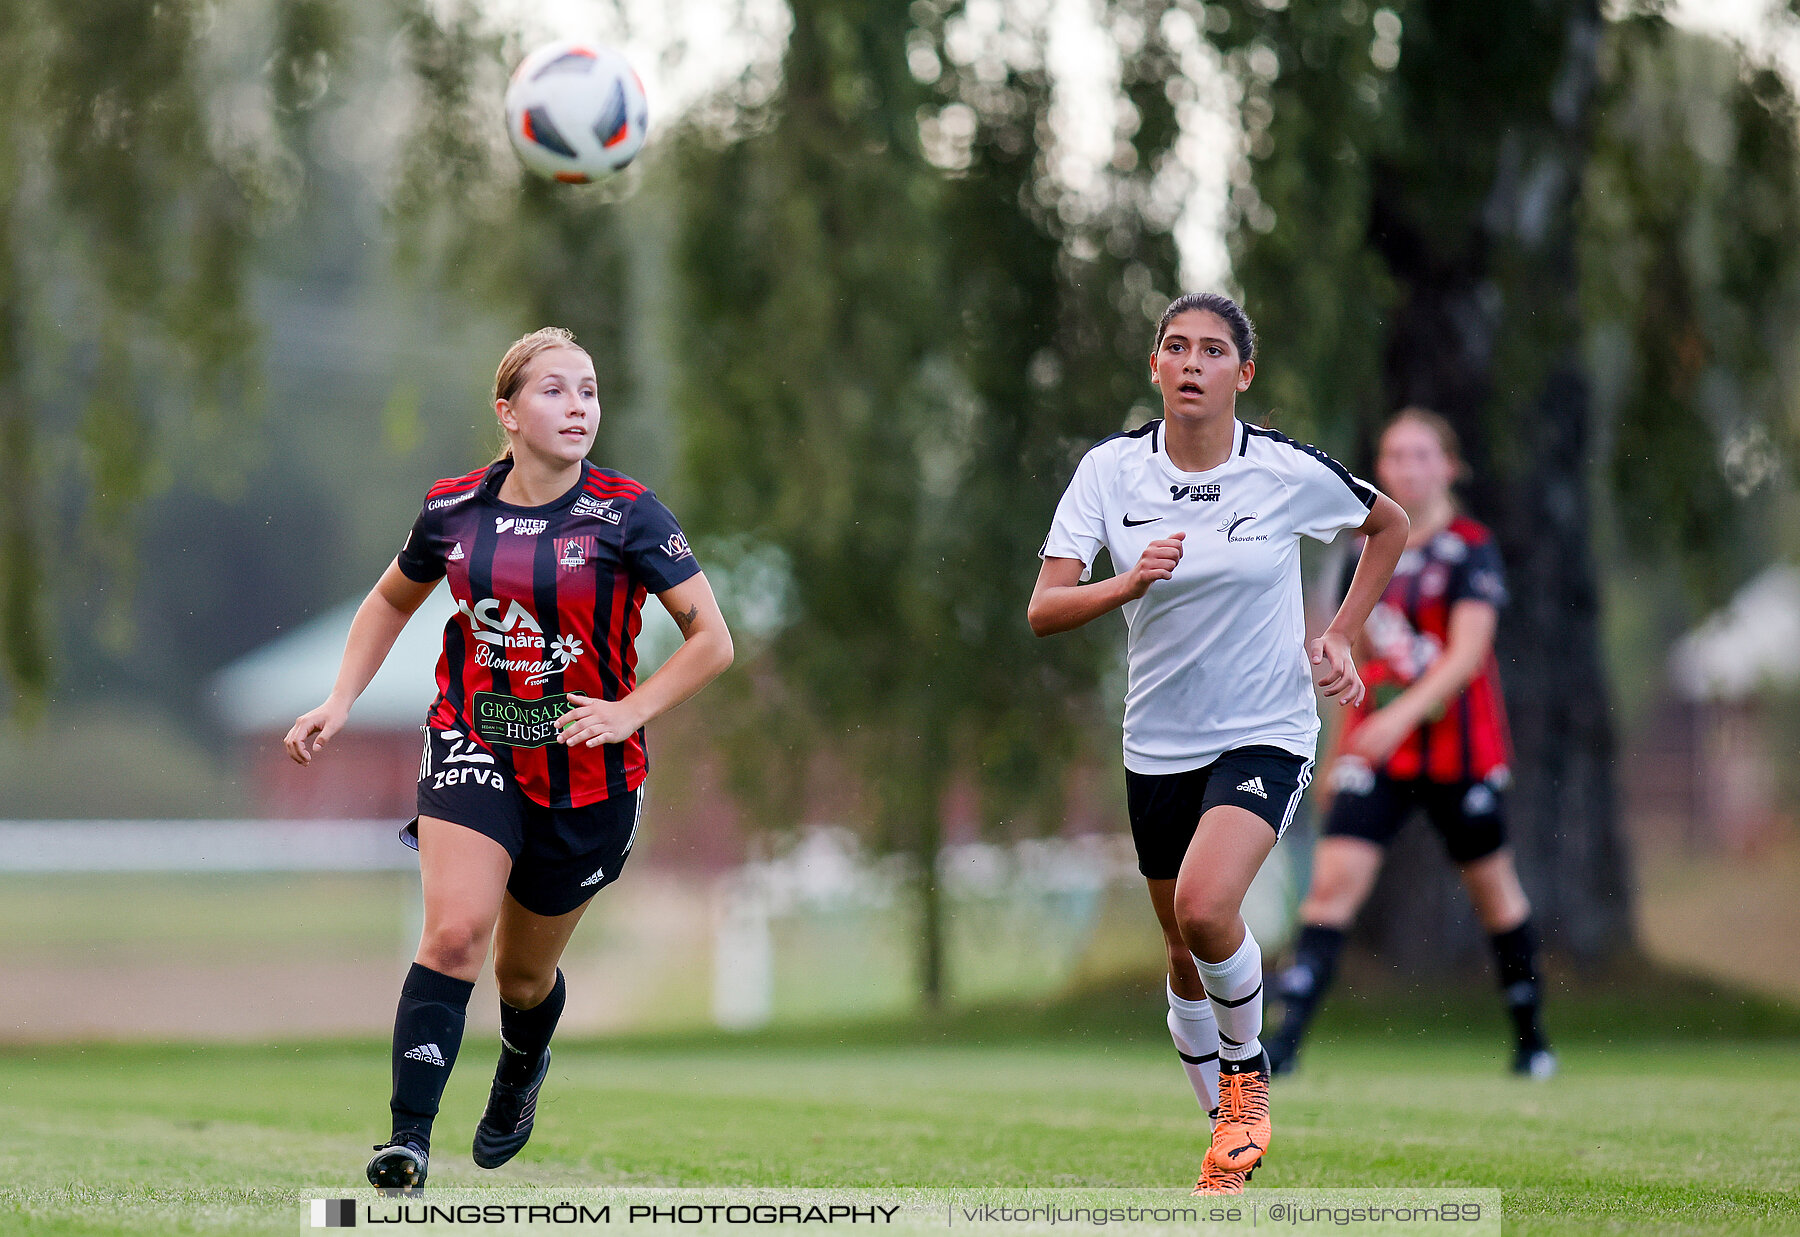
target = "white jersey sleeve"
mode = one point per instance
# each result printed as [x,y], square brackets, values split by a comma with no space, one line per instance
[1079,528]
[1325,497]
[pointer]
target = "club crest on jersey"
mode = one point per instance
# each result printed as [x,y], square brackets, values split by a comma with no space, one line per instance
[572,553]
[599,509]
[1194,493]
[518,527]
[1234,528]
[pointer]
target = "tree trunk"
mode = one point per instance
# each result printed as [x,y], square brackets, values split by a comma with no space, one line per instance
[911,775]
[931,908]
[1565,823]
[27,657]
[1489,336]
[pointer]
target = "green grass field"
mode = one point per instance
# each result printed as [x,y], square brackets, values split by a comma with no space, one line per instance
[1638,1135]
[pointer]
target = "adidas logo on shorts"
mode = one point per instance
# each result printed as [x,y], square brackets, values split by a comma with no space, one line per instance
[427,1053]
[1255,787]
[595,879]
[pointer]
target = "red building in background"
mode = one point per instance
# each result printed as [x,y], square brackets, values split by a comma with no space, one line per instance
[371,768]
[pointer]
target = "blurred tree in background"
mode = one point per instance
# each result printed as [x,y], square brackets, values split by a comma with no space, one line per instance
[475,226]
[1496,211]
[1691,295]
[125,225]
[869,319]
[892,346]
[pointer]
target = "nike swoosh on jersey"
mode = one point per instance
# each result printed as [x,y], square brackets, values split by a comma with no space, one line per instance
[1131,523]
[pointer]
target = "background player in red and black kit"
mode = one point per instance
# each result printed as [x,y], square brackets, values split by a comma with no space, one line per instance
[530,782]
[1430,735]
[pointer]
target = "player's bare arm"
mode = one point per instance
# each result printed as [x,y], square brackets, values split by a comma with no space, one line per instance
[706,650]
[1060,602]
[1385,530]
[378,622]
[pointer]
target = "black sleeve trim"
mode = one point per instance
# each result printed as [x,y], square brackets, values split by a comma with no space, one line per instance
[1364,494]
[658,592]
[415,561]
[406,569]
[1151,428]
[681,570]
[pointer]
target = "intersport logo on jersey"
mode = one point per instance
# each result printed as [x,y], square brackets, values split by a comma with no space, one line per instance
[502,638]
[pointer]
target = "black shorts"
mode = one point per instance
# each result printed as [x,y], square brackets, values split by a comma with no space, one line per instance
[561,856]
[1166,807]
[1469,816]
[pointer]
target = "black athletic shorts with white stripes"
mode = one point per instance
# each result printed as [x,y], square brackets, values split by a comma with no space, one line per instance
[1166,807]
[561,856]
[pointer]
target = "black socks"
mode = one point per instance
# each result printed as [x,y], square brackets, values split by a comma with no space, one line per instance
[1304,983]
[1515,956]
[428,1029]
[525,1033]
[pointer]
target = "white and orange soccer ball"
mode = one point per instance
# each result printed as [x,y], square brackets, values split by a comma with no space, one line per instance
[576,111]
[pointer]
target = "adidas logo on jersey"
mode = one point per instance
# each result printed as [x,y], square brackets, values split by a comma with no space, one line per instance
[456,553]
[1254,787]
[595,879]
[427,1053]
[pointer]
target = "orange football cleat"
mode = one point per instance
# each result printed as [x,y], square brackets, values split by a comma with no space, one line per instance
[1241,1136]
[1216,1180]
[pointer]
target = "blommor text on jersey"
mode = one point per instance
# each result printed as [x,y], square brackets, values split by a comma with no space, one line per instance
[564,651]
[499,636]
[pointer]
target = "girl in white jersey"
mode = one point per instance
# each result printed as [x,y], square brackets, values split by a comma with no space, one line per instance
[1220,721]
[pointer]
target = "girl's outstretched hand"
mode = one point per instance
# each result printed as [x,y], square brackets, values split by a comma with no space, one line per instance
[312,731]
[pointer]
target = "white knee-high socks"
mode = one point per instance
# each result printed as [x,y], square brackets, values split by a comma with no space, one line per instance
[1196,1037]
[1235,988]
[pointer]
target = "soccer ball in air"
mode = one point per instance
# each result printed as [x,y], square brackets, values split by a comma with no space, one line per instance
[575,111]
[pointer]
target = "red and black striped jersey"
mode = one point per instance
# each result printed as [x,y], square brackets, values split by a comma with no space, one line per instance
[549,600]
[1468,740]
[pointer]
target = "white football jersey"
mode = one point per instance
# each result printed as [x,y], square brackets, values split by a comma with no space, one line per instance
[1217,653]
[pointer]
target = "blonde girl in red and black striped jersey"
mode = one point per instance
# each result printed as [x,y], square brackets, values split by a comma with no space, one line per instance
[1431,736]
[531,780]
